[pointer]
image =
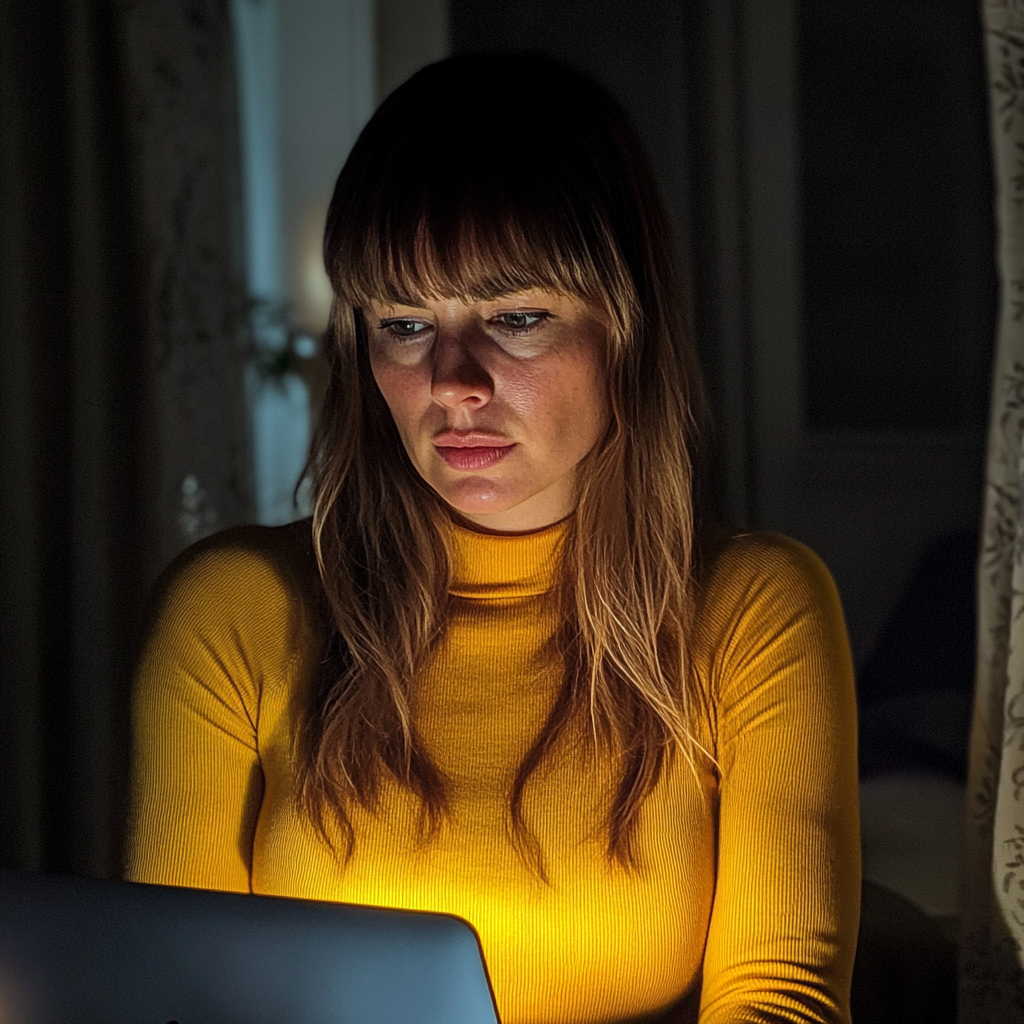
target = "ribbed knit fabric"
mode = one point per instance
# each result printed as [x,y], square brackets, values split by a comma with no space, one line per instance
[748,885]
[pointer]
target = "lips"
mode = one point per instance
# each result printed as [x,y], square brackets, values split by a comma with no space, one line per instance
[472,450]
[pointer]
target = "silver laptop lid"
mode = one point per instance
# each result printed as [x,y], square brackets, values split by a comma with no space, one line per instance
[81,951]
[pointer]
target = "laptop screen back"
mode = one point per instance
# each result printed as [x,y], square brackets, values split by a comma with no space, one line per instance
[80,951]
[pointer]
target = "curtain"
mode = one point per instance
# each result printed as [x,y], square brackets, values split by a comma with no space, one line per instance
[992,930]
[122,414]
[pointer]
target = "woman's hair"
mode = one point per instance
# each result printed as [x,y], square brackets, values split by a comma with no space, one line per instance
[478,177]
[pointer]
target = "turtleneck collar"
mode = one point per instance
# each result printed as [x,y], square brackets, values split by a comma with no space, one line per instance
[495,565]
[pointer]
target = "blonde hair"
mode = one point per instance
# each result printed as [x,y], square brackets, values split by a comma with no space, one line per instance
[439,197]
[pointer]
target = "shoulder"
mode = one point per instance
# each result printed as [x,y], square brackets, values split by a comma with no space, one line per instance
[249,581]
[759,592]
[741,564]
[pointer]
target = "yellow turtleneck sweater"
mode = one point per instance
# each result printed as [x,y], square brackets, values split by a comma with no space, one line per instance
[748,891]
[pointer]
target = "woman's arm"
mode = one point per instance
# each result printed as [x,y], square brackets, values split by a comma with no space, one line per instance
[221,631]
[784,924]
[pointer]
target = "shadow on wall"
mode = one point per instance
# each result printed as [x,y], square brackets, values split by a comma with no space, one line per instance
[916,689]
[915,695]
[905,969]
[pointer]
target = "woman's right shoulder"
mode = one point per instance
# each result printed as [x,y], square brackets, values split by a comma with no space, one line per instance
[234,619]
[246,579]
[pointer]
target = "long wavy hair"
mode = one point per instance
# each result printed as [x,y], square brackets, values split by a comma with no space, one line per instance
[478,177]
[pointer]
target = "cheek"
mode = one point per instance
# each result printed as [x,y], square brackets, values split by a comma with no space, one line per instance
[590,416]
[576,411]
[400,387]
[590,394]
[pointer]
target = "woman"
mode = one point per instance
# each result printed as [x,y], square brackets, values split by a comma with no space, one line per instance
[503,674]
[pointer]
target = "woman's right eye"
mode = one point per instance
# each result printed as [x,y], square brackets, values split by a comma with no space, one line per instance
[404,328]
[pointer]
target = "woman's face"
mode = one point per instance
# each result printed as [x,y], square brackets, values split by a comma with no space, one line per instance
[496,401]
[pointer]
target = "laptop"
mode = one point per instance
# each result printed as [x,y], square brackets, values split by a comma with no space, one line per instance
[82,951]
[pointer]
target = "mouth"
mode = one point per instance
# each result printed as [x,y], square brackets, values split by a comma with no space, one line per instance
[472,450]
[473,456]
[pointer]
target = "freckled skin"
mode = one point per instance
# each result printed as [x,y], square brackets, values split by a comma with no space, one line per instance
[526,369]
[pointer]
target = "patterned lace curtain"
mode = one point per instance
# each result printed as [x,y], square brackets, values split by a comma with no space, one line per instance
[123,431]
[992,937]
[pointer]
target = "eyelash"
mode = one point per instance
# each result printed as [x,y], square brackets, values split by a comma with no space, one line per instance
[512,332]
[517,332]
[387,326]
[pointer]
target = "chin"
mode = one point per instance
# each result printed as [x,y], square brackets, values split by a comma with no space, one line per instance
[478,500]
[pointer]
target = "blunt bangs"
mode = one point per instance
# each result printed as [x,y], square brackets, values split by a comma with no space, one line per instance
[516,183]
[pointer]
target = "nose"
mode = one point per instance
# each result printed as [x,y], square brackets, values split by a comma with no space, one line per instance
[459,382]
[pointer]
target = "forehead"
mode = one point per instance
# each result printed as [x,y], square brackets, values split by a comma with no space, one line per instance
[546,298]
[472,260]
[425,286]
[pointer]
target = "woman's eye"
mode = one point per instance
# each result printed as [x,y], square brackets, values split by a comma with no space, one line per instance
[404,328]
[519,321]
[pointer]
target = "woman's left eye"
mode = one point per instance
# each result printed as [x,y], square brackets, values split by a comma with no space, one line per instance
[520,321]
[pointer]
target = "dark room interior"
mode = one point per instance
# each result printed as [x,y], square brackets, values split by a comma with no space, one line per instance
[828,173]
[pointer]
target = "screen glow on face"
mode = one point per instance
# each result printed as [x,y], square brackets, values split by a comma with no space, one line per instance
[497,401]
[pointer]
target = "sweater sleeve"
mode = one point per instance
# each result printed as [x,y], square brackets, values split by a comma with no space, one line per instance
[223,630]
[784,924]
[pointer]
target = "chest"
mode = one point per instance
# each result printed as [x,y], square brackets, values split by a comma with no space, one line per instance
[591,930]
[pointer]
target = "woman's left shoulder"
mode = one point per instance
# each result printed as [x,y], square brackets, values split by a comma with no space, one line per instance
[746,570]
[768,615]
